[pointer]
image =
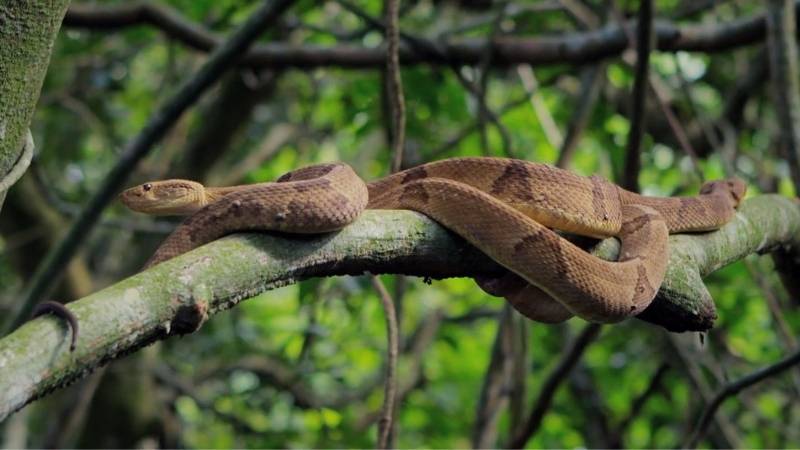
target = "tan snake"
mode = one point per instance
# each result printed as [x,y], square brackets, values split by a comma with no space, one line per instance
[504,207]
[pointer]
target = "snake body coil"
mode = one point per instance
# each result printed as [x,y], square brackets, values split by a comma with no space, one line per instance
[507,208]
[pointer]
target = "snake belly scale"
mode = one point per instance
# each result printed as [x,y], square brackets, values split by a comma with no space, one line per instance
[506,208]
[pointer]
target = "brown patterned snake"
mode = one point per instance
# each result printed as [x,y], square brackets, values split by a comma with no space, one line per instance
[504,207]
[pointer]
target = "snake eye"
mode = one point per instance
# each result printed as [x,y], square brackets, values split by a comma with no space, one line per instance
[147,187]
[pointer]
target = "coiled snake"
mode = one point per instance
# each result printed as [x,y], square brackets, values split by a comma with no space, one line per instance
[507,208]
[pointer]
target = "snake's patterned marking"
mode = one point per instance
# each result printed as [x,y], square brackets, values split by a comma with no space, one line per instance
[507,208]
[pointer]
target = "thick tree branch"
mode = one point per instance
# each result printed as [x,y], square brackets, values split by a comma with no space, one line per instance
[576,48]
[177,296]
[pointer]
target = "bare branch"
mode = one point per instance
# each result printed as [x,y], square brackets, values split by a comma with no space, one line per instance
[386,422]
[734,388]
[579,48]
[394,83]
[644,39]
[554,379]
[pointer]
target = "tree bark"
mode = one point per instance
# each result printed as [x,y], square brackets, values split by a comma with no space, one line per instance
[28,29]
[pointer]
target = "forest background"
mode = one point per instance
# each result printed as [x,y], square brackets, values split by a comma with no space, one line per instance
[133,92]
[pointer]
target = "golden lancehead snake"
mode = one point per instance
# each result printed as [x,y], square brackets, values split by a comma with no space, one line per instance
[506,208]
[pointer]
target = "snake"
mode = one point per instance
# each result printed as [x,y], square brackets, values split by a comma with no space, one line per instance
[510,209]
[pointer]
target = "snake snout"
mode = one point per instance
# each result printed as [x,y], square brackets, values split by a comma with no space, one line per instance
[734,189]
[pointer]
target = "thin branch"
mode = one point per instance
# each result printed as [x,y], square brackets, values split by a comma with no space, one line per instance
[687,360]
[397,106]
[480,88]
[592,80]
[788,339]
[386,422]
[638,403]
[644,39]
[551,131]
[394,83]
[19,167]
[471,128]
[734,388]
[554,379]
[430,49]
[781,35]
[577,48]
[420,343]
[494,388]
[223,57]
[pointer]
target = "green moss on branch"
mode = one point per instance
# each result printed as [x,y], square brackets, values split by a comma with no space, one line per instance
[177,296]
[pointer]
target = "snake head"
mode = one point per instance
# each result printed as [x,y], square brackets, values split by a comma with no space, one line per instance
[168,197]
[732,188]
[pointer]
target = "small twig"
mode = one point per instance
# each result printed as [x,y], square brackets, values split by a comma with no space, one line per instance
[734,388]
[551,131]
[277,137]
[425,48]
[688,363]
[581,13]
[638,404]
[469,129]
[397,106]
[676,127]
[19,167]
[554,379]
[482,84]
[788,340]
[633,157]
[591,85]
[494,387]
[394,83]
[386,422]
[415,350]
[662,100]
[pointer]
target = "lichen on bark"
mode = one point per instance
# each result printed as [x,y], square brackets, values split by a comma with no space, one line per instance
[28,29]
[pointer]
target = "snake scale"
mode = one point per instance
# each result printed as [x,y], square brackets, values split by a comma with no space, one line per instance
[506,208]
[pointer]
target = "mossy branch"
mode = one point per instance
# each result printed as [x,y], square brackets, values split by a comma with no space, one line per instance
[27,31]
[176,297]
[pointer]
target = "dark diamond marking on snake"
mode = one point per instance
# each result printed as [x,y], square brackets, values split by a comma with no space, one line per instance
[552,243]
[598,197]
[515,181]
[643,290]
[340,202]
[307,186]
[635,224]
[417,173]
[307,173]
